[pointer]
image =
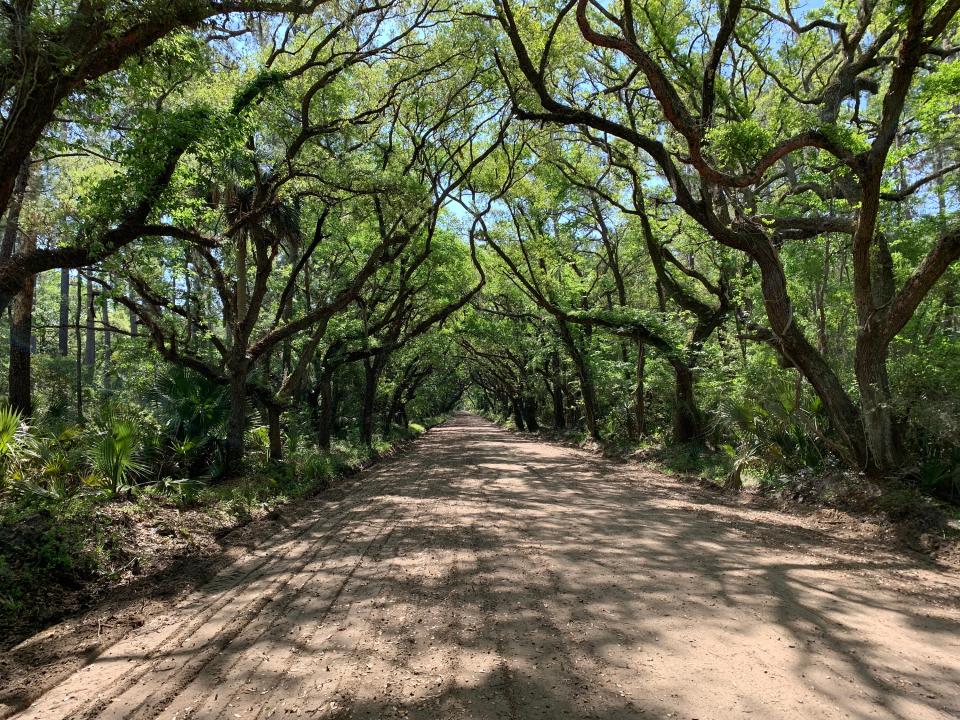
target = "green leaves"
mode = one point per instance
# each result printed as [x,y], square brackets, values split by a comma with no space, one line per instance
[17,446]
[738,145]
[936,101]
[114,459]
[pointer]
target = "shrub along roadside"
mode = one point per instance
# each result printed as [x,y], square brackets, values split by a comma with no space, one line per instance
[59,553]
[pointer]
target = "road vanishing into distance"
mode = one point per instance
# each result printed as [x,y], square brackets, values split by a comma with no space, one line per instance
[487,575]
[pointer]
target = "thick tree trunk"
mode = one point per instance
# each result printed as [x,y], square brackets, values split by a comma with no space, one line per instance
[236,423]
[530,414]
[12,228]
[274,415]
[885,451]
[844,415]
[559,412]
[64,334]
[21,332]
[688,421]
[517,408]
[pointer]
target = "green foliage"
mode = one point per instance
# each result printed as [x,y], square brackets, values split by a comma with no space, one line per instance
[114,459]
[192,413]
[738,145]
[16,445]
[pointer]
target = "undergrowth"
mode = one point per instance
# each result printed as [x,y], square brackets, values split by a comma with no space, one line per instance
[71,517]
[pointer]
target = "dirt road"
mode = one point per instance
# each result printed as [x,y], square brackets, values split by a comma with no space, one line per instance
[487,576]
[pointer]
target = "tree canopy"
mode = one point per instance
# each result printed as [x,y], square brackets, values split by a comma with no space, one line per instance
[727,226]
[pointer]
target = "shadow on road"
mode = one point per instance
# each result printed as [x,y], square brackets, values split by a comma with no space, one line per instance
[487,575]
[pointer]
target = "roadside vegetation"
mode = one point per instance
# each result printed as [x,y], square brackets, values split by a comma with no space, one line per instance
[114,502]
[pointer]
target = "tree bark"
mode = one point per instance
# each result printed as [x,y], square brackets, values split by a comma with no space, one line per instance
[688,422]
[325,420]
[274,415]
[90,344]
[530,413]
[107,341]
[559,412]
[885,451]
[12,228]
[844,416]
[236,423]
[64,335]
[517,408]
[21,332]
[880,426]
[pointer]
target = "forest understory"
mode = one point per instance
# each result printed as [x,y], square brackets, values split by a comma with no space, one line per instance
[65,562]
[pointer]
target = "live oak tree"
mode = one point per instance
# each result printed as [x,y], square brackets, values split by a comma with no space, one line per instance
[242,231]
[54,54]
[749,167]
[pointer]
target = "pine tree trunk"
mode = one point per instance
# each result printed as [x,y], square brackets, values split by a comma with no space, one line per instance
[107,342]
[134,323]
[90,345]
[64,334]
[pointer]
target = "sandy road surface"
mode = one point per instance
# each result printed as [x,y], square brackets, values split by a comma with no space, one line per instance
[487,576]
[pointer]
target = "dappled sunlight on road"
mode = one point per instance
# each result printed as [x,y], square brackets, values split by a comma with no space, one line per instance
[490,576]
